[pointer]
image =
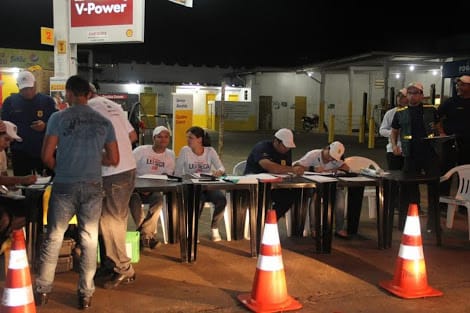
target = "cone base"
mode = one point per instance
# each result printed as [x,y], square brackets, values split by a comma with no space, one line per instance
[410,294]
[289,304]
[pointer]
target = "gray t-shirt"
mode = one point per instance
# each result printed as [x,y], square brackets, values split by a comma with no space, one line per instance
[82,133]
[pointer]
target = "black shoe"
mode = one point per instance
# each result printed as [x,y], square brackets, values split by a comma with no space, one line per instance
[84,302]
[103,273]
[151,243]
[118,279]
[41,298]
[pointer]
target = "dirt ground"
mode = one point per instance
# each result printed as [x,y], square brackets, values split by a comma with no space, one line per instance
[346,281]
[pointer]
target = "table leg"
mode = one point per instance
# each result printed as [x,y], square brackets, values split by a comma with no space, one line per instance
[328,213]
[253,209]
[379,203]
[263,204]
[318,217]
[186,208]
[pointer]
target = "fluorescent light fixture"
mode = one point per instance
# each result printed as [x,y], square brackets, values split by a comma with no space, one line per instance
[132,88]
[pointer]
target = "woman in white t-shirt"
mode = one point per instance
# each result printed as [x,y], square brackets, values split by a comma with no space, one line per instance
[151,159]
[199,157]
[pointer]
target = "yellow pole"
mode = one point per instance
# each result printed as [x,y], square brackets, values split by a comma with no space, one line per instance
[331,128]
[350,110]
[361,130]
[371,133]
[321,119]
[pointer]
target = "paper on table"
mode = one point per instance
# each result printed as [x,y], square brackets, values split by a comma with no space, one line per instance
[154,176]
[43,180]
[262,176]
[206,181]
[320,178]
[358,178]
[319,173]
[248,179]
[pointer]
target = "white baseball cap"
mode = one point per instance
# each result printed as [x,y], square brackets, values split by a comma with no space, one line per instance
[12,130]
[336,150]
[25,79]
[416,85]
[286,136]
[160,129]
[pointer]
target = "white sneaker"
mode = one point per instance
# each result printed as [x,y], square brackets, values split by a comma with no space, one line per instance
[216,235]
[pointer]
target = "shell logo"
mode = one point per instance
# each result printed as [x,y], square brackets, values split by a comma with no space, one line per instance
[129,33]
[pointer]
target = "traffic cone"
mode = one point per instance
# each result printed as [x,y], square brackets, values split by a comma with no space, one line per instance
[269,293]
[18,292]
[410,280]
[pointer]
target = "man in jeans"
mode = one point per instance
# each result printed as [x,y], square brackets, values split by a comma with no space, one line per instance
[118,183]
[78,141]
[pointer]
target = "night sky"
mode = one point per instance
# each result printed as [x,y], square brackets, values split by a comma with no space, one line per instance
[262,33]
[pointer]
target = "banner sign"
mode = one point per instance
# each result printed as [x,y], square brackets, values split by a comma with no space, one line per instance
[456,69]
[107,21]
[182,119]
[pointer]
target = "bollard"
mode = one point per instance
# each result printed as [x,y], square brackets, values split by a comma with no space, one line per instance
[371,134]
[331,129]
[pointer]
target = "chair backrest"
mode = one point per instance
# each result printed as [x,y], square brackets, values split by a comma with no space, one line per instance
[463,172]
[356,163]
[239,168]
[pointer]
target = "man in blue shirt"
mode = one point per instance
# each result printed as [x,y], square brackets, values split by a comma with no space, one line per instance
[30,112]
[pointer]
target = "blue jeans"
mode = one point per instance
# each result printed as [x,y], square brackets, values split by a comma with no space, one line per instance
[84,200]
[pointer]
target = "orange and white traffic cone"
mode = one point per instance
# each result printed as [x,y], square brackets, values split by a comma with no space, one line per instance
[18,292]
[410,280]
[269,293]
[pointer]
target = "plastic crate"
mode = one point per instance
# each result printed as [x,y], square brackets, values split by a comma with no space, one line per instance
[67,245]
[132,246]
[64,264]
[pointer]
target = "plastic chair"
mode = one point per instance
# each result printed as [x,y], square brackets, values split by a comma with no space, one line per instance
[356,163]
[461,197]
[163,218]
[238,170]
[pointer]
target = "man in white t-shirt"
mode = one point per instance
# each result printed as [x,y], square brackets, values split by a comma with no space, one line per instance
[151,159]
[118,184]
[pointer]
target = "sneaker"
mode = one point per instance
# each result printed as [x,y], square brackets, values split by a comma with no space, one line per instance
[216,235]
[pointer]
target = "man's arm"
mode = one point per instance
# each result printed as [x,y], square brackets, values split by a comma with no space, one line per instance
[275,168]
[111,154]
[48,149]
[394,140]
[133,136]
[386,125]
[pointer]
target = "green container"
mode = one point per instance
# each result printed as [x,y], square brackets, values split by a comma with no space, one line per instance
[132,246]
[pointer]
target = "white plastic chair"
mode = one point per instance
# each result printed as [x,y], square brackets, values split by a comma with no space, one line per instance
[163,218]
[461,197]
[356,163]
[238,170]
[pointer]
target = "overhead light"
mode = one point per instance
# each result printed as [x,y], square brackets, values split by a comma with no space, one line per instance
[434,72]
[397,75]
[310,73]
[412,68]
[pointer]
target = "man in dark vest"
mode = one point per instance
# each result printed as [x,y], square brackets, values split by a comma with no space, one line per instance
[414,123]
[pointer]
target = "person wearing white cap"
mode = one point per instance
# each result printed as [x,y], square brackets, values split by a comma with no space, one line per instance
[328,159]
[412,124]
[13,211]
[154,159]
[30,112]
[275,156]
[118,185]
[394,162]
[454,116]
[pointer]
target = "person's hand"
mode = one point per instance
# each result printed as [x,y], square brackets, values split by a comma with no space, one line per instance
[396,150]
[218,173]
[28,180]
[38,125]
[3,127]
[298,170]
[319,169]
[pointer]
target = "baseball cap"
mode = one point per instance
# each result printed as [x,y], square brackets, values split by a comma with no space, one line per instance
[336,150]
[25,79]
[160,129]
[416,85]
[12,131]
[464,79]
[285,135]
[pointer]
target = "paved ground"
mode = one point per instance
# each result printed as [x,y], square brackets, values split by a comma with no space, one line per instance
[344,281]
